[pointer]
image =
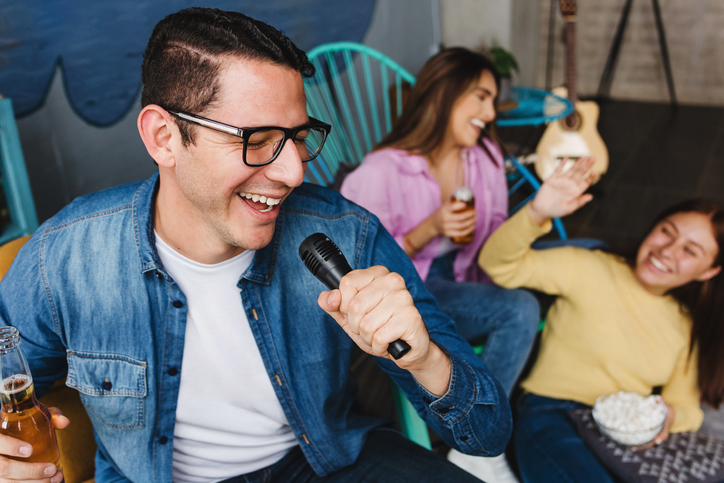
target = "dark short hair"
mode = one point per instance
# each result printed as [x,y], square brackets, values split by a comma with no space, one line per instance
[185,52]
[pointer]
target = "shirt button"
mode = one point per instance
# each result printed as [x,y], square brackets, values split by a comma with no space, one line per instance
[107,385]
[163,440]
[463,438]
[159,275]
[444,410]
[178,304]
[173,371]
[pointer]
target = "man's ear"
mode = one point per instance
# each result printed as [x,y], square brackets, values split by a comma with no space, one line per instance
[156,128]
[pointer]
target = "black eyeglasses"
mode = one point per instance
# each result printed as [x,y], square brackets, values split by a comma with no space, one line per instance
[263,144]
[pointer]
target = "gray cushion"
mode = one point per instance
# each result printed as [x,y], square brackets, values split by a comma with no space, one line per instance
[682,458]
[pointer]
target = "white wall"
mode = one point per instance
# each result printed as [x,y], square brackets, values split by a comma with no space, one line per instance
[511,24]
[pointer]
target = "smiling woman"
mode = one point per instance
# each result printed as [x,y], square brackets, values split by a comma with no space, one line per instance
[437,183]
[618,324]
[682,255]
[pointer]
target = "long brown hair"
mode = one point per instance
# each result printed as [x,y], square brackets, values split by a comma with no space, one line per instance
[704,302]
[443,79]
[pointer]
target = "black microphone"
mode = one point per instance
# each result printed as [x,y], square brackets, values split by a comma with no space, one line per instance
[326,262]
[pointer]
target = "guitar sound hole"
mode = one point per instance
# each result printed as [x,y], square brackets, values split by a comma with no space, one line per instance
[572,122]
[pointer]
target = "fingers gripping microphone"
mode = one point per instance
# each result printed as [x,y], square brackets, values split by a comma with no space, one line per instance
[326,262]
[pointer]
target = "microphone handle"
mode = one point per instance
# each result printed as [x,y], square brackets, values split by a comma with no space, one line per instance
[397,348]
[327,263]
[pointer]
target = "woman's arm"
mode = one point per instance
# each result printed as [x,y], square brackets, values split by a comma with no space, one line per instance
[376,186]
[446,220]
[682,393]
[507,257]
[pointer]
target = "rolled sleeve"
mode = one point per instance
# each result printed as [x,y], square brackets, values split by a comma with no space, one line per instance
[456,409]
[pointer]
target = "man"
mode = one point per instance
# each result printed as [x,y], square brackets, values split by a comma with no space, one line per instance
[180,310]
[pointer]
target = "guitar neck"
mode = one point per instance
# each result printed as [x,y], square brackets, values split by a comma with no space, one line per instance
[571,59]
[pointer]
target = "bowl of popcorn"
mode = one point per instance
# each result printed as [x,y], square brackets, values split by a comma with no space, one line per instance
[629,418]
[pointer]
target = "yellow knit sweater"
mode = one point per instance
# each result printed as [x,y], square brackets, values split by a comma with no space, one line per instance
[604,333]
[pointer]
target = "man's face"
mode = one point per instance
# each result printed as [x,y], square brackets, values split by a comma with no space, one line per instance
[214,189]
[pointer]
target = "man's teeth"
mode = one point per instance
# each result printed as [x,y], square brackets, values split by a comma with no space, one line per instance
[271,202]
[656,263]
[478,122]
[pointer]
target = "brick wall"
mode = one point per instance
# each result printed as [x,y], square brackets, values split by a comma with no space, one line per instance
[695,36]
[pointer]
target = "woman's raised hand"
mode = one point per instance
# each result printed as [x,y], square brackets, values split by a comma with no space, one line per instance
[563,192]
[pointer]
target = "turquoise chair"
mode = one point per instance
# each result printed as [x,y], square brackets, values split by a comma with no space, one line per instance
[360,92]
[17,209]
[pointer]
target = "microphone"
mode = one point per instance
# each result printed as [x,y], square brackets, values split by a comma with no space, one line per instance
[326,262]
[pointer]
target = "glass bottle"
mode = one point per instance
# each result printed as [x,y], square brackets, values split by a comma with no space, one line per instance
[22,415]
[465,194]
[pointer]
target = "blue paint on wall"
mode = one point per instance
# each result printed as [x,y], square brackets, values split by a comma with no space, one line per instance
[99,44]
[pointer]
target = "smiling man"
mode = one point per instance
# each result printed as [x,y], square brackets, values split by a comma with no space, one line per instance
[180,310]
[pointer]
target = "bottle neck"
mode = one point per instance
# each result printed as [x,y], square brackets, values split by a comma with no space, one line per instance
[17,395]
[16,383]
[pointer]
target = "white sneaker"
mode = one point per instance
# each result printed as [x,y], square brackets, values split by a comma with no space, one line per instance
[490,470]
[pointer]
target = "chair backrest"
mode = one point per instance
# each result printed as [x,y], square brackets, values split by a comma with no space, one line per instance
[7,253]
[360,92]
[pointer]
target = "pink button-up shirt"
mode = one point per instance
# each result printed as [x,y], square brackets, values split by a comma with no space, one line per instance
[398,187]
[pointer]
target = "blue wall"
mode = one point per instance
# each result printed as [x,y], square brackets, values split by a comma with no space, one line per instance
[99,45]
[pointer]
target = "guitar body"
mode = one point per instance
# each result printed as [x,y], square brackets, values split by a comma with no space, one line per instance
[560,141]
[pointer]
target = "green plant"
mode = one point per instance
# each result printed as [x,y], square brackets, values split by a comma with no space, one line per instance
[504,61]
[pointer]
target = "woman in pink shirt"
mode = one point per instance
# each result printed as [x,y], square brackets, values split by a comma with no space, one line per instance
[443,137]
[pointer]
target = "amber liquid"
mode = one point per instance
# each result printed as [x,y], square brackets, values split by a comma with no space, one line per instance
[27,419]
[464,240]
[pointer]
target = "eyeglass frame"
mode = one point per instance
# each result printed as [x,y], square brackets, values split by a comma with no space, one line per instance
[289,133]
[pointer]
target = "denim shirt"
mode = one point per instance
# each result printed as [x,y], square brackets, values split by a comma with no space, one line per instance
[91,298]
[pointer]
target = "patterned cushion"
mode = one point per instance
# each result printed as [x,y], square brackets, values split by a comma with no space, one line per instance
[682,458]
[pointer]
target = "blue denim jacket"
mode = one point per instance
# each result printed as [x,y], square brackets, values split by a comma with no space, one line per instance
[90,297]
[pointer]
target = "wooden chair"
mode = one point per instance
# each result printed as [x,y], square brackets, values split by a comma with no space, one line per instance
[76,442]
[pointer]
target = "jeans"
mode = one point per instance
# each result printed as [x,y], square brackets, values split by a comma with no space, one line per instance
[386,456]
[547,446]
[508,318]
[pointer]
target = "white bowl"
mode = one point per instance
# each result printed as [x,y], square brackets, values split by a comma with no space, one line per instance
[628,434]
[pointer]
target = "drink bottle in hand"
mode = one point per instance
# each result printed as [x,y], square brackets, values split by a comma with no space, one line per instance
[22,416]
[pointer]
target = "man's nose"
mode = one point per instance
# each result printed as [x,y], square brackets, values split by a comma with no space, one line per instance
[288,167]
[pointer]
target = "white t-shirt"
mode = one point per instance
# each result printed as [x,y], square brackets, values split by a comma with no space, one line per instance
[228,421]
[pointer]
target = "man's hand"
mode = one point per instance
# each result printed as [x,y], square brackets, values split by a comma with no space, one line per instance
[453,220]
[14,470]
[562,193]
[374,308]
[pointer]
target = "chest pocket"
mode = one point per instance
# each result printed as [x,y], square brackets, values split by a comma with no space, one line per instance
[112,387]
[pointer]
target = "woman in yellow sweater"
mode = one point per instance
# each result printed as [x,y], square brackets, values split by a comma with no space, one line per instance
[616,325]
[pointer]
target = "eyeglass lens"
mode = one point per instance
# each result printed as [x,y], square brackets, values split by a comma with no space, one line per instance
[262,146]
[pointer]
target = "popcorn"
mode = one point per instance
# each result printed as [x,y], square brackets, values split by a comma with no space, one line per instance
[629,418]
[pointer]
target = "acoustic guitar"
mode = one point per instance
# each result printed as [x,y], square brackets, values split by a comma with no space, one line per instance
[577,134]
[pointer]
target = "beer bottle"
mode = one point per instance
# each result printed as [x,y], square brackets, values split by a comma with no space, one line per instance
[22,416]
[464,194]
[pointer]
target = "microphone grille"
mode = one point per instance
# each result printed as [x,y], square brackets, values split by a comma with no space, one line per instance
[311,262]
[326,248]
